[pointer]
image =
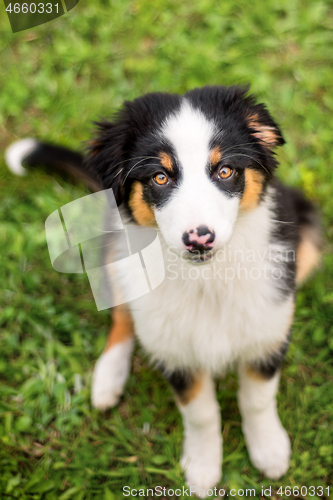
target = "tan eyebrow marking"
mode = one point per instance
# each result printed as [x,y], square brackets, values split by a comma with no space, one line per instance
[215,155]
[166,161]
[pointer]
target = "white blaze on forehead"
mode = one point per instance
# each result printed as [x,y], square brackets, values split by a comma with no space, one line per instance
[190,134]
[197,200]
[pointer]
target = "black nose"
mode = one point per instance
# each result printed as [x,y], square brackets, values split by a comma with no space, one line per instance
[200,239]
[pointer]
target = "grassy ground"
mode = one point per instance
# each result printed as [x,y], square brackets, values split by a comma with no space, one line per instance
[54,80]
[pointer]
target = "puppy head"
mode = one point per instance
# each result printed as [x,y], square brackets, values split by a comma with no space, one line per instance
[188,164]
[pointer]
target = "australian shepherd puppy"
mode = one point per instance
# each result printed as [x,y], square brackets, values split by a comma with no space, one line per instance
[200,168]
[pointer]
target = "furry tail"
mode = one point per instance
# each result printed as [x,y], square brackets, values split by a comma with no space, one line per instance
[67,163]
[311,242]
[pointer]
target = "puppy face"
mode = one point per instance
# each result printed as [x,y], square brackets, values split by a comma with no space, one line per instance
[189,164]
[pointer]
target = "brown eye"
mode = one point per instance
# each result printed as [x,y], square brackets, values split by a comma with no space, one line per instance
[225,172]
[160,179]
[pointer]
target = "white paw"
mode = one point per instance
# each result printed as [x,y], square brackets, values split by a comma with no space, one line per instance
[110,375]
[202,462]
[269,448]
[201,474]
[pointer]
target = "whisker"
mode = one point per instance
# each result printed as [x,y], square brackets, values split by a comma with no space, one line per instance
[237,146]
[273,220]
[247,156]
[137,165]
[283,221]
[131,159]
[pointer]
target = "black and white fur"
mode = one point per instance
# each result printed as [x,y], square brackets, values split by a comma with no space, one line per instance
[168,159]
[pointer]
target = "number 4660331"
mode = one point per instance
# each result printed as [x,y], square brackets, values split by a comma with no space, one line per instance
[32,8]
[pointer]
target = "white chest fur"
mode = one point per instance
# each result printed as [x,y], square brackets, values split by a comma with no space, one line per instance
[210,315]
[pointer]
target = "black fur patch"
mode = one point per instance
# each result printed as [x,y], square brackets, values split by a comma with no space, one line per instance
[180,380]
[293,212]
[68,164]
[267,368]
[126,149]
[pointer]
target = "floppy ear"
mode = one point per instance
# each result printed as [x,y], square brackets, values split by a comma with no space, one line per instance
[263,127]
[108,154]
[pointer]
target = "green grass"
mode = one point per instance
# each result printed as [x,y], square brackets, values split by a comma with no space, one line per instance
[56,79]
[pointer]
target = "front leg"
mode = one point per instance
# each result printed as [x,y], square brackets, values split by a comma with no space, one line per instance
[267,441]
[113,367]
[202,446]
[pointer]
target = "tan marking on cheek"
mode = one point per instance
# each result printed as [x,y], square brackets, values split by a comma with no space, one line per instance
[166,162]
[142,213]
[122,327]
[253,189]
[191,392]
[307,257]
[215,156]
